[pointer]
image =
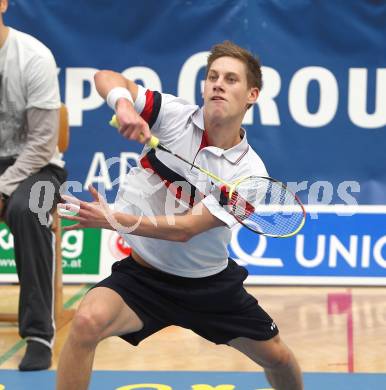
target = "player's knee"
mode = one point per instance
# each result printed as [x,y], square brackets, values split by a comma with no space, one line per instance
[88,326]
[279,358]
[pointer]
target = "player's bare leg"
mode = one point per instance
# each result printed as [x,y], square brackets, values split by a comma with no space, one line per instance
[279,363]
[101,314]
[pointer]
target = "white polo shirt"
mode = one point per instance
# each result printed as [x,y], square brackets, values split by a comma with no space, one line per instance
[164,185]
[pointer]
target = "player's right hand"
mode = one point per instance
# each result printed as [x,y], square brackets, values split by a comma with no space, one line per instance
[131,124]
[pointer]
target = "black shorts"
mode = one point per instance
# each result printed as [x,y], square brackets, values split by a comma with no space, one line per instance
[216,307]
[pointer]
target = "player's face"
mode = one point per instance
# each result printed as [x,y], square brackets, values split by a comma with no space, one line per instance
[3,6]
[226,92]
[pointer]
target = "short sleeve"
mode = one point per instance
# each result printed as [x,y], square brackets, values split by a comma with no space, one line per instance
[214,207]
[42,82]
[148,105]
[166,114]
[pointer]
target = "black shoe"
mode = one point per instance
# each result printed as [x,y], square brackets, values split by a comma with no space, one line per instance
[37,357]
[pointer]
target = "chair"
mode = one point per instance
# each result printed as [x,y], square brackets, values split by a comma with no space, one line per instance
[62,316]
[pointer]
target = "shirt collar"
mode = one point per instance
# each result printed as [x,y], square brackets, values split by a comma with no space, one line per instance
[235,153]
[198,118]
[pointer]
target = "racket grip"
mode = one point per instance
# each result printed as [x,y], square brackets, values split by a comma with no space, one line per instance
[153,142]
[114,122]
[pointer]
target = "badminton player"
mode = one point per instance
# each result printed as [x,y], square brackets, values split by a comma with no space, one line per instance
[179,272]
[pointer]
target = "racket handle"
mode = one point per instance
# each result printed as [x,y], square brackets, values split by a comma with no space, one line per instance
[114,122]
[153,142]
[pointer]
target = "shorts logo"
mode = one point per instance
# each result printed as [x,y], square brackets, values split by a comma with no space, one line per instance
[273,326]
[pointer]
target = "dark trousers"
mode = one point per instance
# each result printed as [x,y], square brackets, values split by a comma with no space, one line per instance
[34,245]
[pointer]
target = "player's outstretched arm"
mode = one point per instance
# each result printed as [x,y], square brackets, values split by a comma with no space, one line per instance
[173,227]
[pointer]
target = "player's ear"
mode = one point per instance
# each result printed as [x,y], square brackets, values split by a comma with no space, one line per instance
[253,95]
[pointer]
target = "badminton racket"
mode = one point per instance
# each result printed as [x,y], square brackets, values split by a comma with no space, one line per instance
[262,204]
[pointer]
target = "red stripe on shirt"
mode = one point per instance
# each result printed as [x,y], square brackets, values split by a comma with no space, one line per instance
[204,140]
[148,109]
[173,188]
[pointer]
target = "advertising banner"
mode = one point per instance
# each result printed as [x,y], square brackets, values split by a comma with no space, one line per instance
[337,246]
[319,123]
[80,255]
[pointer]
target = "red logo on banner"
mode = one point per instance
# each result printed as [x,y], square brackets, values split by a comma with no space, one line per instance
[123,247]
[118,246]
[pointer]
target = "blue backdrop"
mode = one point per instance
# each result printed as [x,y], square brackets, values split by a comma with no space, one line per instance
[319,124]
[322,113]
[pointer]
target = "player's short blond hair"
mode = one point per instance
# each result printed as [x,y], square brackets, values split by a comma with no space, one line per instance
[252,63]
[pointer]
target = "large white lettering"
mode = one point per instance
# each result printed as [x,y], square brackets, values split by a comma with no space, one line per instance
[75,100]
[257,256]
[298,96]
[320,252]
[350,254]
[98,172]
[80,79]
[147,76]
[333,249]
[357,99]
[269,111]
[187,79]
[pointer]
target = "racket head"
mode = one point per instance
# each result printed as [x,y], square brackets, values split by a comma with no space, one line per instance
[266,206]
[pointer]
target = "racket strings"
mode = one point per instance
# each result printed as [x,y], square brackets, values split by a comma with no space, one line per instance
[266,206]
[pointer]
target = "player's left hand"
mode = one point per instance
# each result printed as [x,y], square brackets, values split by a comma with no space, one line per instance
[87,214]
